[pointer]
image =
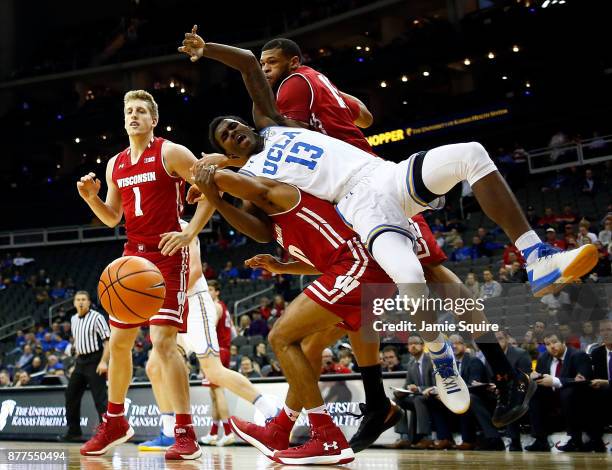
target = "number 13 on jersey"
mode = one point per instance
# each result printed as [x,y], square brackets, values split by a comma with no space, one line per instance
[301,153]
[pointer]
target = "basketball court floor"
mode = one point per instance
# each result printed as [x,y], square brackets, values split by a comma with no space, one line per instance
[243,457]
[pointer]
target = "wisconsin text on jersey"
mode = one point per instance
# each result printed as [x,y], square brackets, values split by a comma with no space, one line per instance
[136,179]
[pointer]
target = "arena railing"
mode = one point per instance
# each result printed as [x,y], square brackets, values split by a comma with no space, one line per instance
[8,330]
[239,302]
[586,152]
[55,306]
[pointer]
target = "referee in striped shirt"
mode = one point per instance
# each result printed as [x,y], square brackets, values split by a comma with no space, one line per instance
[91,334]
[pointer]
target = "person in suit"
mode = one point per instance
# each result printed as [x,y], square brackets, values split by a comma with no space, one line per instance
[520,360]
[415,428]
[561,374]
[473,372]
[601,388]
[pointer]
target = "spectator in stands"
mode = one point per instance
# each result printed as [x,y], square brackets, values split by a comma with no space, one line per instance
[22,379]
[282,285]
[345,359]
[243,325]
[473,372]
[552,240]
[234,357]
[329,365]
[261,357]
[490,287]
[17,278]
[41,294]
[278,307]
[532,217]
[54,366]
[258,326]
[557,371]
[26,358]
[588,336]
[584,235]
[558,139]
[567,216]
[20,339]
[507,256]
[556,303]
[43,279]
[601,386]
[208,270]
[549,219]
[517,274]
[37,365]
[246,368]
[520,360]
[230,273]
[5,379]
[567,336]
[7,263]
[605,236]
[139,355]
[49,342]
[264,307]
[275,369]
[438,226]
[460,252]
[478,248]
[66,330]
[588,185]
[452,237]
[602,268]
[415,428]
[391,358]
[471,282]
[439,236]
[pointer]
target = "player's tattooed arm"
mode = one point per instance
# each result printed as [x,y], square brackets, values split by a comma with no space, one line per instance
[247,64]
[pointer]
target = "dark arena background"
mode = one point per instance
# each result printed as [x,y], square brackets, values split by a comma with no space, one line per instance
[528,79]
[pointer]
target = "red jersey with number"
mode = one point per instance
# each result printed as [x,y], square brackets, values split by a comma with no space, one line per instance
[224,327]
[309,96]
[152,199]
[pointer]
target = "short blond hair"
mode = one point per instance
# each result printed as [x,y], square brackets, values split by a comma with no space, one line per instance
[144,96]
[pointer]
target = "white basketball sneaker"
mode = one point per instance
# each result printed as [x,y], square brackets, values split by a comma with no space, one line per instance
[452,389]
[553,269]
[226,440]
[209,440]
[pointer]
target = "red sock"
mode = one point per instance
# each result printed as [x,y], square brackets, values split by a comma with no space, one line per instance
[284,421]
[320,419]
[114,409]
[183,419]
[226,427]
[214,429]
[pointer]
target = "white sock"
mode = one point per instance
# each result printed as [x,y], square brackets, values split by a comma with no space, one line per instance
[437,346]
[266,406]
[291,414]
[319,409]
[527,240]
[168,424]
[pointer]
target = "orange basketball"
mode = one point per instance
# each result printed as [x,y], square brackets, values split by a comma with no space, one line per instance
[131,289]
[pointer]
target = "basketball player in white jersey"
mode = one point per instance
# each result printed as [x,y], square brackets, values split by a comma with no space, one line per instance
[375,197]
[201,339]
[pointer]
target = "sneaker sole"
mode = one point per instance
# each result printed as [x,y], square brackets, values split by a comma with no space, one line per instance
[584,262]
[195,455]
[121,440]
[519,411]
[346,456]
[209,443]
[152,448]
[456,410]
[251,440]
[360,445]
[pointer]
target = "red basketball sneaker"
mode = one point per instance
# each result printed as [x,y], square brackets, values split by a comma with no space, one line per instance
[266,439]
[327,446]
[110,433]
[185,446]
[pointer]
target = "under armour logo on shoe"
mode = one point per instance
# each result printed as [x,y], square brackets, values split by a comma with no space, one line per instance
[333,445]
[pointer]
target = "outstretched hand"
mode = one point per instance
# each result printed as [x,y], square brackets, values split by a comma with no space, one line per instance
[267,262]
[193,45]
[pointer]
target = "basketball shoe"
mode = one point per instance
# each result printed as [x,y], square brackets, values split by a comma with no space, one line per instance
[186,445]
[209,440]
[110,433]
[327,446]
[161,442]
[226,440]
[267,439]
[451,388]
[373,423]
[551,268]
[513,396]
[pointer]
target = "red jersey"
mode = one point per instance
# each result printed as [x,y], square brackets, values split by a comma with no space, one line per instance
[224,328]
[152,199]
[314,233]
[309,96]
